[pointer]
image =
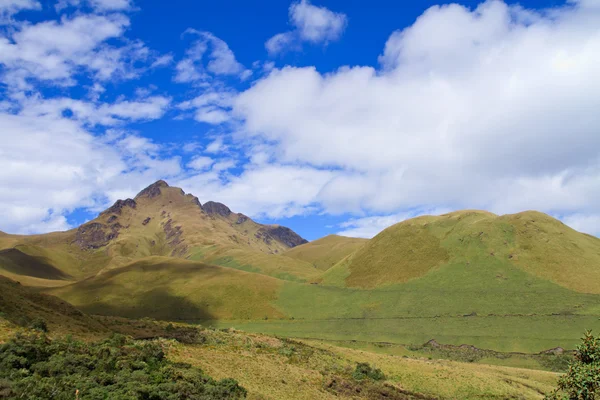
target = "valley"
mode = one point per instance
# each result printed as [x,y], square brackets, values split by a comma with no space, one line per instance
[510,286]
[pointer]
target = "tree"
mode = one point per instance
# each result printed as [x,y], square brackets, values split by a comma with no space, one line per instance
[582,381]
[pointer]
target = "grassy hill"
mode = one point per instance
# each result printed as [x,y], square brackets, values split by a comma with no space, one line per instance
[21,306]
[324,253]
[531,241]
[174,289]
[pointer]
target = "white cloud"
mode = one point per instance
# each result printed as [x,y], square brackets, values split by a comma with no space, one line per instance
[56,51]
[367,227]
[97,5]
[221,60]
[212,107]
[274,191]
[589,224]
[10,7]
[200,163]
[281,42]
[317,24]
[90,113]
[312,24]
[492,108]
[216,146]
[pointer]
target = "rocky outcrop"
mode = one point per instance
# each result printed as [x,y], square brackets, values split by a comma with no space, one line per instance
[152,190]
[174,239]
[146,221]
[241,219]
[119,205]
[95,235]
[214,208]
[284,235]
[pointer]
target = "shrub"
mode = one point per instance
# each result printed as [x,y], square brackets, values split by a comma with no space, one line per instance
[39,325]
[32,366]
[365,371]
[582,380]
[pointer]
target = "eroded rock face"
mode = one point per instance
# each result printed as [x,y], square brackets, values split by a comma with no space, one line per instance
[95,235]
[152,190]
[282,234]
[119,205]
[241,219]
[174,239]
[214,208]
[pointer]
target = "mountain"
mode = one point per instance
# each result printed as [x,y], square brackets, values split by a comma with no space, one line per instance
[522,282]
[530,241]
[160,221]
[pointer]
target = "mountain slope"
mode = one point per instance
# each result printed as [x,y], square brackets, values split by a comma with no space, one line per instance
[21,305]
[531,241]
[174,289]
[160,221]
[324,253]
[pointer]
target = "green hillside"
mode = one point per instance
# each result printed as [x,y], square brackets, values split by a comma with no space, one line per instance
[324,253]
[173,289]
[531,241]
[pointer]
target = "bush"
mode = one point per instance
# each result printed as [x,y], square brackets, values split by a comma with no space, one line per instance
[582,381]
[365,371]
[34,367]
[39,325]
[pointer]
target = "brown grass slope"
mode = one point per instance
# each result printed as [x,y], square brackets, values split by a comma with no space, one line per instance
[20,305]
[532,241]
[175,289]
[160,221]
[324,253]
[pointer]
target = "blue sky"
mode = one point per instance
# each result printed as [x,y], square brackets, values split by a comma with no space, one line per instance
[325,116]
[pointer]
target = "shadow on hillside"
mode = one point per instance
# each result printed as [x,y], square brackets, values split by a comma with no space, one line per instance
[157,303]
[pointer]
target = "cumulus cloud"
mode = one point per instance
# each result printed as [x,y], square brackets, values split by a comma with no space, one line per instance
[213,106]
[221,60]
[311,24]
[97,113]
[56,51]
[50,165]
[200,163]
[493,107]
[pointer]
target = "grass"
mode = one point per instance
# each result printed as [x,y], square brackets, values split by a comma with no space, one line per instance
[169,289]
[272,368]
[324,253]
[20,306]
[534,242]
[275,265]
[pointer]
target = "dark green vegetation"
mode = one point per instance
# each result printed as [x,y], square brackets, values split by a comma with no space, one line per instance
[582,381]
[34,367]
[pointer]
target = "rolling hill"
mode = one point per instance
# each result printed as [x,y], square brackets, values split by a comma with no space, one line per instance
[522,282]
[324,253]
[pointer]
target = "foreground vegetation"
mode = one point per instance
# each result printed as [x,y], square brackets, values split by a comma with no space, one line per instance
[34,367]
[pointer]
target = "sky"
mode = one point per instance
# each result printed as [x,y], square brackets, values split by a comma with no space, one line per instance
[325,116]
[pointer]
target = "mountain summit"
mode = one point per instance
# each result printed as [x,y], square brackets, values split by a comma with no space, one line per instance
[160,221]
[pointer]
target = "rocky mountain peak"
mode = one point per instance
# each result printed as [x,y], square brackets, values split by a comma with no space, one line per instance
[117,208]
[153,190]
[215,208]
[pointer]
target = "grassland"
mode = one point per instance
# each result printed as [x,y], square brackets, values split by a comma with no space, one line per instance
[273,368]
[534,242]
[326,252]
[172,289]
